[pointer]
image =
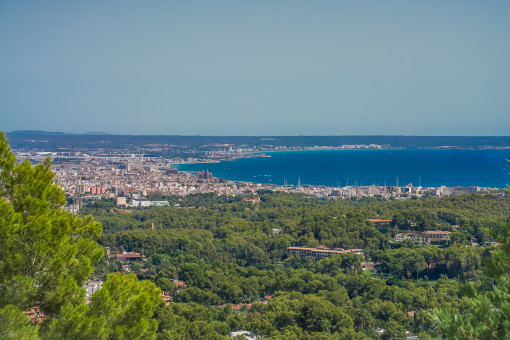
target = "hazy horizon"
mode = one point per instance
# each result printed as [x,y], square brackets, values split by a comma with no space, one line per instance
[262,68]
[106,133]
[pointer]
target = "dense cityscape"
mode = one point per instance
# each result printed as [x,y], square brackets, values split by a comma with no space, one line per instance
[94,174]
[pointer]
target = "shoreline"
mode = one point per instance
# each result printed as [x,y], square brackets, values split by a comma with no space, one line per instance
[244,156]
[484,177]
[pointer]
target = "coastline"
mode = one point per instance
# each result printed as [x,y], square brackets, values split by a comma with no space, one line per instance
[366,167]
[259,154]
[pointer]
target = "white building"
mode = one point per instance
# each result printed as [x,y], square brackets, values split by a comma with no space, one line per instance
[143,202]
[92,286]
[247,335]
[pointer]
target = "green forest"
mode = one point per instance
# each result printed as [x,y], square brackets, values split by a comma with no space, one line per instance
[226,253]
[225,265]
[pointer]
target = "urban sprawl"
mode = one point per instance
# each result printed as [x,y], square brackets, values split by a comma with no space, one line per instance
[132,177]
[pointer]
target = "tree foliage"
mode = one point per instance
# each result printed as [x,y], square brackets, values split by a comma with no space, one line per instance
[488,316]
[46,253]
[121,309]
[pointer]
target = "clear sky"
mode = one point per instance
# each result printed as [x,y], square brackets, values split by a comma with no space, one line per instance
[260,67]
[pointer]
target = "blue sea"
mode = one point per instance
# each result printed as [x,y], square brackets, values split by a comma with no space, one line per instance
[430,168]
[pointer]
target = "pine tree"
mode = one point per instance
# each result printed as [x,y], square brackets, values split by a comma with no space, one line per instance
[46,254]
[121,309]
[489,313]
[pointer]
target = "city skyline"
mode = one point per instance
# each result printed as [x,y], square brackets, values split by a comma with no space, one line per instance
[265,68]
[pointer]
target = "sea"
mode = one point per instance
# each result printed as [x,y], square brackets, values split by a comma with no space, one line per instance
[336,168]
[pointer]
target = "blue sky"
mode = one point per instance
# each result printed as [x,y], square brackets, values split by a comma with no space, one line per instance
[256,67]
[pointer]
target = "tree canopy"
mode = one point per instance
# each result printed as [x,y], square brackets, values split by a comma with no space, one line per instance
[489,314]
[47,254]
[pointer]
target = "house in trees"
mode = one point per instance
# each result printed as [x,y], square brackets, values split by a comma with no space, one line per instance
[126,257]
[167,298]
[91,287]
[321,251]
[179,284]
[246,334]
[378,223]
[414,237]
[35,315]
[368,265]
[437,235]
[254,200]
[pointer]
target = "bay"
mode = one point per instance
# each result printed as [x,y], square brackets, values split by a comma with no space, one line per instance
[428,167]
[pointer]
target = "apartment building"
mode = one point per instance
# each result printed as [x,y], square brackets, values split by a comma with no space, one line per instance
[321,251]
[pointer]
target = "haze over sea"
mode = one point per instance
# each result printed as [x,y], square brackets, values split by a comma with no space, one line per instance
[430,168]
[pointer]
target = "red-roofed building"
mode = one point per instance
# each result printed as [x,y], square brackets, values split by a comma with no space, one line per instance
[167,299]
[380,223]
[178,283]
[128,257]
[35,315]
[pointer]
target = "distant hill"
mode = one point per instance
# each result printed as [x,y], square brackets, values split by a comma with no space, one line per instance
[55,140]
[36,132]
[94,133]
[56,133]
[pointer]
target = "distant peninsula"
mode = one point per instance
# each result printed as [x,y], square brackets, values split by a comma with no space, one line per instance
[57,140]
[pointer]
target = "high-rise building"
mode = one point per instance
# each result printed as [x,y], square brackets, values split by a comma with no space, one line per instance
[97,190]
[81,188]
